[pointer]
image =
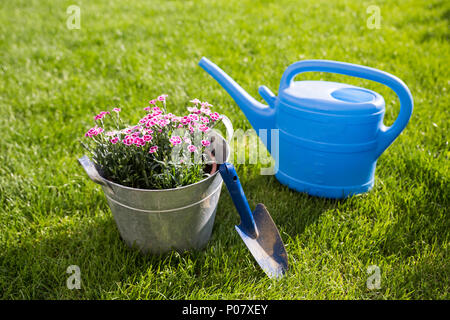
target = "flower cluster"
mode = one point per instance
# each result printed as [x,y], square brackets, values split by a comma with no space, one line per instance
[142,155]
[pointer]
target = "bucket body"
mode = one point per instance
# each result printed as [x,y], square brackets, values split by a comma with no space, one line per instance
[157,221]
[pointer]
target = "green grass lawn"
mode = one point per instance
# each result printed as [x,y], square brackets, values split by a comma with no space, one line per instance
[53,80]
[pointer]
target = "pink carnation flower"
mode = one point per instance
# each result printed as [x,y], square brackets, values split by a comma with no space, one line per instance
[214,116]
[93,132]
[175,140]
[204,119]
[153,149]
[185,120]
[195,101]
[192,148]
[114,140]
[156,111]
[116,110]
[193,110]
[205,110]
[128,140]
[203,128]
[206,104]
[193,117]
[205,143]
[139,142]
[150,123]
[162,97]
[163,122]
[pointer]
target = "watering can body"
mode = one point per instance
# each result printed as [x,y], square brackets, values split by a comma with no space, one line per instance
[330,134]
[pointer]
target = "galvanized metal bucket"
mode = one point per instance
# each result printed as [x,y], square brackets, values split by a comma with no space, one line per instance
[157,221]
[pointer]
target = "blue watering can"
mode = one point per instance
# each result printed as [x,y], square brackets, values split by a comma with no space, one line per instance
[330,134]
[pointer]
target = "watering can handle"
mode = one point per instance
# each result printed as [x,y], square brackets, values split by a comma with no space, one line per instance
[386,135]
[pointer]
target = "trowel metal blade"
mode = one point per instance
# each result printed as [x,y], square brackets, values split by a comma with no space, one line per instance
[267,248]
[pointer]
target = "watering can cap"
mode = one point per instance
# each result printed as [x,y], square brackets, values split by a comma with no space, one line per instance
[332,97]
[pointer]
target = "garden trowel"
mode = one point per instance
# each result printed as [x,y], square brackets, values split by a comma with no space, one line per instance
[257,229]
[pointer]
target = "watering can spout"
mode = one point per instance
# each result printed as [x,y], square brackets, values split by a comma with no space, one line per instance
[260,116]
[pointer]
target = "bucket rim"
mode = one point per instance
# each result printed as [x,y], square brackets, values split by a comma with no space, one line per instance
[159,190]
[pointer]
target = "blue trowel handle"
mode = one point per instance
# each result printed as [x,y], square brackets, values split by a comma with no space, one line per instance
[234,187]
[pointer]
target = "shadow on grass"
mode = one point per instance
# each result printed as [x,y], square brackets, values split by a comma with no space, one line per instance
[434,34]
[36,267]
[292,211]
[421,219]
